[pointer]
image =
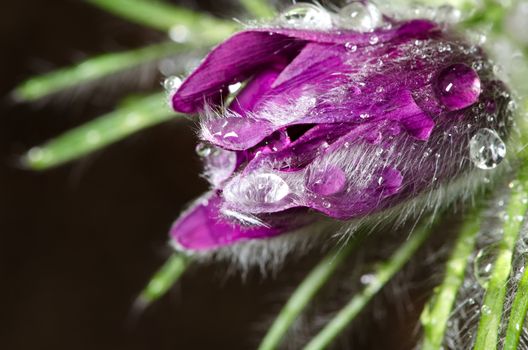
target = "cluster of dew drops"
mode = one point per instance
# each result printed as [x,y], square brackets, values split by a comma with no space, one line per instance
[486,148]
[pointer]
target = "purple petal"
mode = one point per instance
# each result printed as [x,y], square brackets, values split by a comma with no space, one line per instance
[248,52]
[203,227]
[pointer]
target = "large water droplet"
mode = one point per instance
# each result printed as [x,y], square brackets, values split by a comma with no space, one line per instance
[486,149]
[256,191]
[327,181]
[306,16]
[458,86]
[360,16]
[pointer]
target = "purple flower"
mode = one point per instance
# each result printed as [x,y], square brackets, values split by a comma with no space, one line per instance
[335,123]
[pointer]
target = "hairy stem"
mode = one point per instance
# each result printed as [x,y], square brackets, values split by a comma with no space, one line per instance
[304,293]
[492,307]
[383,273]
[164,16]
[164,279]
[92,69]
[258,8]
[436,314]
[122,122]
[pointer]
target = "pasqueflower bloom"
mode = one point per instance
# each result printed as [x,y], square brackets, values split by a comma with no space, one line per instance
[336,118]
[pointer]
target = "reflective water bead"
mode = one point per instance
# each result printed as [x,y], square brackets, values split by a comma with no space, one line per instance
[350,47]
[486,149]
[458,86]
[257,189]
[179,33]
[484,262]
[306,16]
[373,40]
[203,149]
[219,164]
[172,83]
[360,16]
[326,182]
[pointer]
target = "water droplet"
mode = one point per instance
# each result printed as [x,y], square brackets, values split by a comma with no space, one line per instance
[485,309]
[233,88]
[326,204]
[483,264]
[179,33]
[257,190]
[203,149]
[350,47]
[486,149]
[458,86]
[327,181]
[306,16]
[360,16]
[172,83]
[364,115]
[368,278]
[219,164]
[373,40]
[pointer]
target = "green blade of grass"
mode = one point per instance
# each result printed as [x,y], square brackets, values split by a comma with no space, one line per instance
[519,207]
[492,307]
[518,314]
[92,69]
[382,274]
[436,314]
[258,8]
[304,293]
[136,115]
[164,16]
[164,279]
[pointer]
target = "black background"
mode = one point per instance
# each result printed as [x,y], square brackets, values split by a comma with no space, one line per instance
[78,243]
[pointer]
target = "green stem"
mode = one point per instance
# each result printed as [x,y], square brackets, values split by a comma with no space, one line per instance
[384,272]
[518,314]
[164,279]
[163,16]
[136,115]
[435,316]
[520,302]
[258,8]
[492,307]
[92,69]
[304,293]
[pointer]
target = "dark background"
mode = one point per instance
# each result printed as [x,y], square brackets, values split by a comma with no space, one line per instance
[79,242]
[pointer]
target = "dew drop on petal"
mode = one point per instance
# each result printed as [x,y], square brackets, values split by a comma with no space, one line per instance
[360,16]
[256,191]
[486,149]
[326,182]
[373,40]
[203,149]
[306,16]
[351,47]
[219,164]
[458,86]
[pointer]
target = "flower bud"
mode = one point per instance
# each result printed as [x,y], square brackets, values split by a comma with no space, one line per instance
[341,122]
